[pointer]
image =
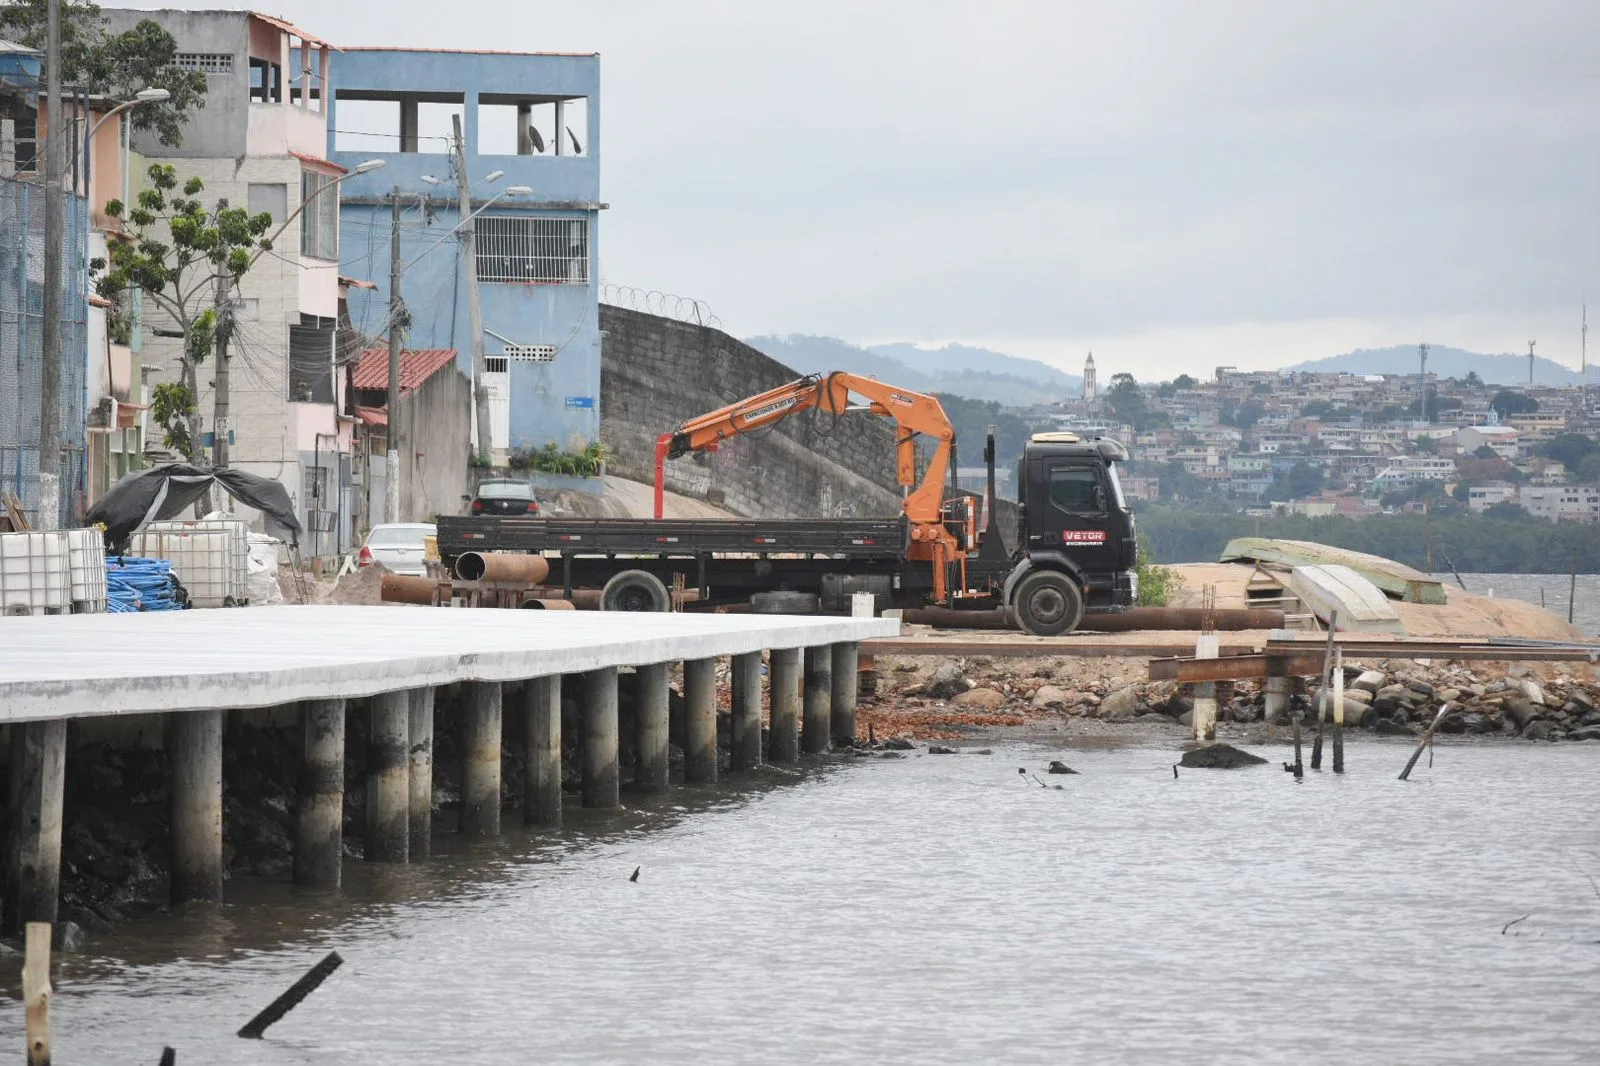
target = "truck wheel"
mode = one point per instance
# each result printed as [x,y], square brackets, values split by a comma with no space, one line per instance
[635,590]
[1048,603]
[785,603]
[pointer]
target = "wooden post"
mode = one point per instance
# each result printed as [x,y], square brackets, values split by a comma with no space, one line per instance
[319,814]
[1327,679]
[747,711]
[817,709]
[1206,646]
[480,771]
[420,772]
[1298,765]
[651,716]
[1338,710]
[1423,742]
[33,836]
[846,660]
[541,797]
[196,750]
[784,671]
[700,721]
[600,739]
[388,778]
[36,993]
[291,999]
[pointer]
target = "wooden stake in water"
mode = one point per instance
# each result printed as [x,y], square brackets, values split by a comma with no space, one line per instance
[1338,710]
[36,993]
[291,999]
[1427,738]
[1322,703]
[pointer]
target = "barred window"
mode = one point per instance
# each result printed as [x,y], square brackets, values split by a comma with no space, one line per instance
[204,62]
[549,251]
[319,221]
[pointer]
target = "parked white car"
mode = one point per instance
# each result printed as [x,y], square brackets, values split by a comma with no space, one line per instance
[398,546]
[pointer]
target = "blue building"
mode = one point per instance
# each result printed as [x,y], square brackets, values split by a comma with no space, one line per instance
[528,120]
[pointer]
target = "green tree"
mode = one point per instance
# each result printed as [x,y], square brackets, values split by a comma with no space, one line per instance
[1426,445]
[1296,483]
[179,275]
[1570,449]
[1507,403]
[1127,402]
[1505,509]
[113,64]
[1248,415]
[1588,471]
[1473,380]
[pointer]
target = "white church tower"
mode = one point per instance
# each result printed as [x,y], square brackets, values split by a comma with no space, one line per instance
[1088,379]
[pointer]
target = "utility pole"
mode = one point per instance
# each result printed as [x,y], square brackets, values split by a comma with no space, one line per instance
[1422,379]
[469,250]
[49,516]
[220,425]
[396,316]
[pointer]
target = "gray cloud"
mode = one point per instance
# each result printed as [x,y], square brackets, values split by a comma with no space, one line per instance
[942,170]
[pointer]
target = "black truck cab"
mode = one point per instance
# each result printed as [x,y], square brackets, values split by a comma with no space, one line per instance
[1075,549]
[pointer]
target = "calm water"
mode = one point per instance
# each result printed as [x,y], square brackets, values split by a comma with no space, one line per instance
[1554,587]
[932,910]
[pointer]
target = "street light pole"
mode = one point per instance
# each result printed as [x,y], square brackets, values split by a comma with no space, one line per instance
[49,514]
[469,252]
[396,312]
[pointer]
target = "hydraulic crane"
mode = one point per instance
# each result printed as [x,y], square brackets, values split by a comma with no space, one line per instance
[928,515]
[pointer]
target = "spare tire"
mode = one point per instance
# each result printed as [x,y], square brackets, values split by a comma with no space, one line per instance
[785,603]
[635,590]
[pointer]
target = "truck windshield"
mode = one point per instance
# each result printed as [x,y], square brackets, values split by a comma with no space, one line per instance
[1116,487]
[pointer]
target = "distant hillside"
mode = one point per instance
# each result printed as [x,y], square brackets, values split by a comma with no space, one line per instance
[1503,369]
[950,369]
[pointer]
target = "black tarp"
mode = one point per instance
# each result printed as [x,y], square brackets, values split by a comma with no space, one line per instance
[165,491]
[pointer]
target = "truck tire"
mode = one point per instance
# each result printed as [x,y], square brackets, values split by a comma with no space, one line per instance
[635,590]
[785,603]
[1048,603]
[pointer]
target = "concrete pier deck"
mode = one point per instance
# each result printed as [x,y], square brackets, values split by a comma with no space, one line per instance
[72,666]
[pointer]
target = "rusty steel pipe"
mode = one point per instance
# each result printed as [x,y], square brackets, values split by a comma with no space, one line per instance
[502,566]
[1131,620]
[399,588]
[535,604]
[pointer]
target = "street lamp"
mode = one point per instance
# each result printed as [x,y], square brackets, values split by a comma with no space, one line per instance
[143,96]
[359,168]
[512,190]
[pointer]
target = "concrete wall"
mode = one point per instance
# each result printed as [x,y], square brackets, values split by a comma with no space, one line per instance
[217,130]
[437,416]
[549,402]
[657,373]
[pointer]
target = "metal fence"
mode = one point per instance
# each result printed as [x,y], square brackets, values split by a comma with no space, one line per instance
[22,346]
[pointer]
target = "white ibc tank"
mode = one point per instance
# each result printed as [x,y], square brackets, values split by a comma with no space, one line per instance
[86,568]
[210,559]
[34,573]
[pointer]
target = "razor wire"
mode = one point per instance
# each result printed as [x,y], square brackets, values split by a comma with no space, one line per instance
[661,304]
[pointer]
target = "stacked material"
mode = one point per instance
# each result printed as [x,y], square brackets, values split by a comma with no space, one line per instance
[86,567]
[34,573]
[134,585]
[211,558]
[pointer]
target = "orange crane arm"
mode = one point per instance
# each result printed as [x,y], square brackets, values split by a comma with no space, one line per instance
[914,414]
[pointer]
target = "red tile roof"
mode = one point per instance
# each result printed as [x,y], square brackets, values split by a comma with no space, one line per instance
[416,366]
[372,416]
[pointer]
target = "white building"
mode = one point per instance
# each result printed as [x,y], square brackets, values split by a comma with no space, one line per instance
[1482,497]
[261,141]
[1504,441]
[1576,503]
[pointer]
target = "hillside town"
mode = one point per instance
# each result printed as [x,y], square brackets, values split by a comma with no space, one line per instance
[1346,444]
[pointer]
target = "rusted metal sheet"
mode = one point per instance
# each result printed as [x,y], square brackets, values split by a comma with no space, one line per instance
[1135,619]
[1297,658]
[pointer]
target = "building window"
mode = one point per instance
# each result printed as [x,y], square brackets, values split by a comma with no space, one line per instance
[495,364]
[319,222]
[544,251]
[266,81]
[204,62]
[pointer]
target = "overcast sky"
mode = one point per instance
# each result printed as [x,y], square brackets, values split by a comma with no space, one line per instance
[1175,185]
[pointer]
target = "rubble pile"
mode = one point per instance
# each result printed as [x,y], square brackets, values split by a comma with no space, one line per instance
[1397,698]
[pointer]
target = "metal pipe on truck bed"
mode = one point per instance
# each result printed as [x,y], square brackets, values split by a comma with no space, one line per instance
[533,604]
[502,566]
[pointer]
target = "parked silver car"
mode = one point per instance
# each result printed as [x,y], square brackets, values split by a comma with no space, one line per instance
[398,546]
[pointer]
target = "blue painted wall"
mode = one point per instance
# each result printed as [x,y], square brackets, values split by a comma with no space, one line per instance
[550,402]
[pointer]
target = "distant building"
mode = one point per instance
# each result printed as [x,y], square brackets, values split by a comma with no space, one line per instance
[1482,497]
[1088,379]
[1575,503]
[1504,441]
